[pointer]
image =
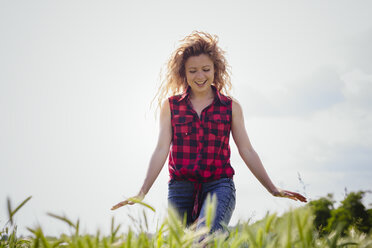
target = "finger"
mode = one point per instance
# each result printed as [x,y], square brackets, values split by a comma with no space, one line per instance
[120,204]
[297,196]
[302,198]
[116,206]
[290,196]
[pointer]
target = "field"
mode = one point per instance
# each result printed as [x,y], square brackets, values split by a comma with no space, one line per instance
[293,229]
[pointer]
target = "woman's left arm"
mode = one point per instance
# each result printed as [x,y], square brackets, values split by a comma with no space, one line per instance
[251,158]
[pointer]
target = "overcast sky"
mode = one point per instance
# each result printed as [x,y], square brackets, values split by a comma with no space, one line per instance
[77,79]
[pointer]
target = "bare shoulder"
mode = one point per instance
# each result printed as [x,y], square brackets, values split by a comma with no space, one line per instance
[165,105]
[165,113]
[236,108]
[165,130]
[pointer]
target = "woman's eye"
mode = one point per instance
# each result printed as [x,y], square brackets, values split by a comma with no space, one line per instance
[205,70]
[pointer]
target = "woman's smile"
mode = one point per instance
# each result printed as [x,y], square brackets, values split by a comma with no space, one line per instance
[201,84]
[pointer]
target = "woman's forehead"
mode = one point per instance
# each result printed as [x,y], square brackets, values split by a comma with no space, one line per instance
[199,61]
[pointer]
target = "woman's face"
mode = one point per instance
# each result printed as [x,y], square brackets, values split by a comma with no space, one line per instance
[199,72]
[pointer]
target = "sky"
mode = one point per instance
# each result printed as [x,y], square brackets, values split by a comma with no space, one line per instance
[77,79]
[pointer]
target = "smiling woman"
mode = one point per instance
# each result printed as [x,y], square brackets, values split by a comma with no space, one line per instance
[199,72]
[195,125]
[193,45]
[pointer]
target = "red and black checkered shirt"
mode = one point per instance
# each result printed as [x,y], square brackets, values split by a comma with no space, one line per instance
[200,150]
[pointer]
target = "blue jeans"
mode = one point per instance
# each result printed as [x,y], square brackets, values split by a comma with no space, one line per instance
[181,193]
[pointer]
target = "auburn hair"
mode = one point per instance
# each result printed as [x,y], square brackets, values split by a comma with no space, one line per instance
[174,82]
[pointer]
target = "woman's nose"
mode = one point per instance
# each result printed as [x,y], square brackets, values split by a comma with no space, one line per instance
[199,75]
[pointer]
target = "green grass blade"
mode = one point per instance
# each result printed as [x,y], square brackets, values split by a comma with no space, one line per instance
[259,237]
[347,244]
[251,236]
[129,238]
[159,240]
[20,205]
[89,242]
[62,218]
[105,243]
[58,243]
[9,205]
[77,228]
[41,237]
[269,222]
[31,230]
[112,225]
[13,238]
[97,238]
[114,230]
[146,222]
[300,230]
[135,200]
[210,210]
[289,231]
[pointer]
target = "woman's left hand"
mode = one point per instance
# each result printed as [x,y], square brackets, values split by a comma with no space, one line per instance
[289,194]
[130,201]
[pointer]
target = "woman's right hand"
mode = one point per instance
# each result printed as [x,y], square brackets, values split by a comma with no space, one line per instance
[288,194]
[138,197]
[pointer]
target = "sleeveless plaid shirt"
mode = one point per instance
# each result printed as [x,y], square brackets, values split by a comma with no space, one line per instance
[200,150]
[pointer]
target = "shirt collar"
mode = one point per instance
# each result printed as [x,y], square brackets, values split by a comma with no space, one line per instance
[217,95]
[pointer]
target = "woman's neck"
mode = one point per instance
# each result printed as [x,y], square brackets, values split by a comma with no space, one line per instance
[200,96]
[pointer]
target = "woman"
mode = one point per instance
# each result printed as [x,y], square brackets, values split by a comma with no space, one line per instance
[195,125]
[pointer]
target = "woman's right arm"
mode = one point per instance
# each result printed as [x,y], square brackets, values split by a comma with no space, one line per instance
[162,148]
[159,155]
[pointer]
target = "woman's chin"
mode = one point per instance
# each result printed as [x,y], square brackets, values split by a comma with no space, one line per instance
[201,87]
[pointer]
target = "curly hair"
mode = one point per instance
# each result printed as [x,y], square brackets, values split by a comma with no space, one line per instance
[174,80]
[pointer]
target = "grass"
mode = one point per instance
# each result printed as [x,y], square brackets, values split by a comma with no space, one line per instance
[294,229]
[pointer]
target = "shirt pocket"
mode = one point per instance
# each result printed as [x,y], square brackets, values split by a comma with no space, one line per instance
[219,125]
[183,125]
